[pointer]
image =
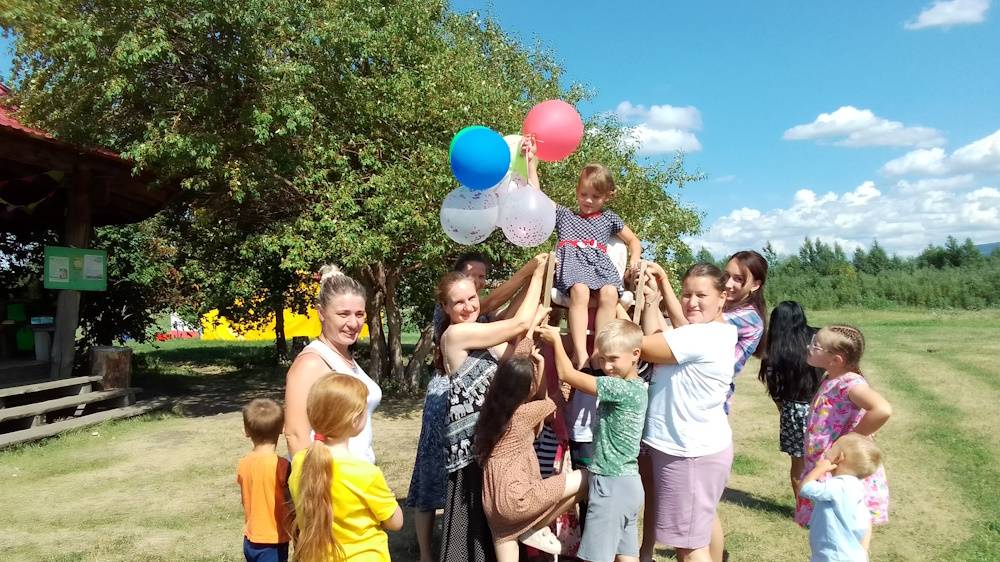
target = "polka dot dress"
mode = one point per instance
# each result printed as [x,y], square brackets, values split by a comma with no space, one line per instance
[586,264]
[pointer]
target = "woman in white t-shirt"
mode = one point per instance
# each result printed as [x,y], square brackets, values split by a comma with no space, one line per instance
[341,308]
[688,441]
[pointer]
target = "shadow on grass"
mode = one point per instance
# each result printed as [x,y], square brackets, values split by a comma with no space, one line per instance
[208,378]
[756,503]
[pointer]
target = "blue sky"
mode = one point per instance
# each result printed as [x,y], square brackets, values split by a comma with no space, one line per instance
[754,70]
[908,150]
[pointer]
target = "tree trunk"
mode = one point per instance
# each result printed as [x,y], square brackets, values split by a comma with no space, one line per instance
[394,320]
[416,365]
[373,277]
[281,345]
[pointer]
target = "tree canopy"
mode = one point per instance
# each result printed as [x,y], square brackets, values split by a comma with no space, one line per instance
[313,132]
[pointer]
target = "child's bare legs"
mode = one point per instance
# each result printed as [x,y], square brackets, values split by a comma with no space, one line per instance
[423,522]
[717,544]
[795,474]
[623,558]
[579,300]
[607,307]
[648,509]
[574,492]
[507,551]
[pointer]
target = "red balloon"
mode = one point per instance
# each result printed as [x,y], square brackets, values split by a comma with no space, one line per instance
[557,127]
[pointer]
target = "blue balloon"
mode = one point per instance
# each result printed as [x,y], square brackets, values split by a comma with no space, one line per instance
[480,157]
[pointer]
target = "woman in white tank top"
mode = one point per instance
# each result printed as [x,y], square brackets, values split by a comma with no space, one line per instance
[341,307]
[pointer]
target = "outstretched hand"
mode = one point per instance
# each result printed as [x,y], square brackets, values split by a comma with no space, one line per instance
[549,334]
[656,270]
[529,147]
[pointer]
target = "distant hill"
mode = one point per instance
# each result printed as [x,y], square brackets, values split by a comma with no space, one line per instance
[987,249]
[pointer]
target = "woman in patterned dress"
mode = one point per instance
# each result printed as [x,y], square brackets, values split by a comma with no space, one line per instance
[428,480]
[470,352]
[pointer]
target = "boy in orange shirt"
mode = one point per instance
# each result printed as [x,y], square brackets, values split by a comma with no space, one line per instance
[263,479]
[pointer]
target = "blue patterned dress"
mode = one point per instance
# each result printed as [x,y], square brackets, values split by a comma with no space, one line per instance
[582,252]
[430,479]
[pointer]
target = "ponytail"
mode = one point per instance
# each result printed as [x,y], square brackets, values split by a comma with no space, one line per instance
[315,539]
[335,402]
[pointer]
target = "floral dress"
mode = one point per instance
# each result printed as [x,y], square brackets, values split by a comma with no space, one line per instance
[832,414]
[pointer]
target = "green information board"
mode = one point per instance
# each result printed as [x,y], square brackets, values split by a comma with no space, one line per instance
[76,269]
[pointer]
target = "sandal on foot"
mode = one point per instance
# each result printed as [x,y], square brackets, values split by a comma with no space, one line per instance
[543,540]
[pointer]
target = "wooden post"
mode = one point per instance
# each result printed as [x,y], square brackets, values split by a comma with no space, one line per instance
[550,277]
[640,297]
[113,364]
[78,232]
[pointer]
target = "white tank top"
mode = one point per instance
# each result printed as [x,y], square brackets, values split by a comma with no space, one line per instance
[360,445]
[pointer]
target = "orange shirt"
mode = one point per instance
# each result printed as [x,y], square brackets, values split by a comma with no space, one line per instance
[263,480]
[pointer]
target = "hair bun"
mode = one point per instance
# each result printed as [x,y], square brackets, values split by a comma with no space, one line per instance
[328,272]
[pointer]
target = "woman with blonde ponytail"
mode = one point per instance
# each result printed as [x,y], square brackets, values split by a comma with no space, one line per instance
[343,505]
[341,308]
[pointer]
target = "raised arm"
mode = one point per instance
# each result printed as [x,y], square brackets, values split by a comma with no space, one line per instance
[670,303]
[529,147]
[564,366]
[459,338]
[652,319]
[509,288]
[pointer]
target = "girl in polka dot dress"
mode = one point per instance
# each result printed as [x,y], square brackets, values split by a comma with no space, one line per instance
[584,271]
[843,404]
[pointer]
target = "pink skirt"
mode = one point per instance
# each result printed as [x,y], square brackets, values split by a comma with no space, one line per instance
[688,491]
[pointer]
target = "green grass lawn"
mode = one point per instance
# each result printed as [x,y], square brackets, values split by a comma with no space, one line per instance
[162,487]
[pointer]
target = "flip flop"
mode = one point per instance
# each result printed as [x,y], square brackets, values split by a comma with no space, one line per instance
[543,540]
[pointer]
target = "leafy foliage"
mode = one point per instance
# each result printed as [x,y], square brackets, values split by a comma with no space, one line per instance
[312,132]
[955,275]
[143,282]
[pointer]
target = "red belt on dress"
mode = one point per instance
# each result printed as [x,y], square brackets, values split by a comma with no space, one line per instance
[584,244]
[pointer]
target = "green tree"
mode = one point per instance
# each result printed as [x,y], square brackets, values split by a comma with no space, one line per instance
[313,132]
[143,282]
[704,256]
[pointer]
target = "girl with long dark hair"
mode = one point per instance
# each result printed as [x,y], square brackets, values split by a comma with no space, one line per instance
[791,381]
[518,503]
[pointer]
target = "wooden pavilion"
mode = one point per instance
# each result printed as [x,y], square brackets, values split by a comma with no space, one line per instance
[47,184]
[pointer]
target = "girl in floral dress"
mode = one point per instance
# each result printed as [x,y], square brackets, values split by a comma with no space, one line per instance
[844,404]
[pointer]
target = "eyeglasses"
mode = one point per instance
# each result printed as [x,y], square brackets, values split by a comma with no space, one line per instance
[814,346]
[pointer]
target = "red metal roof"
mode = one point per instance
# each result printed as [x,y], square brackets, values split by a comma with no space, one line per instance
[8,123]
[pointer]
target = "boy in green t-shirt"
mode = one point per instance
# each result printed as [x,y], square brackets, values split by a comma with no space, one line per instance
[615,489]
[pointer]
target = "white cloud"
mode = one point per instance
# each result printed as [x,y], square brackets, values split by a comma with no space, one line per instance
[901,221]
[660,129]
[948,13]
[935,184]
[862,195]
[982,155]
[861,127]
[929,161]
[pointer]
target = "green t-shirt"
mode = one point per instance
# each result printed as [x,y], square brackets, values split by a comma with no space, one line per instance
[621,415]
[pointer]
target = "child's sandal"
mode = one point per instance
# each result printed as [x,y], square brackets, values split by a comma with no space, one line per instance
[543,540]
